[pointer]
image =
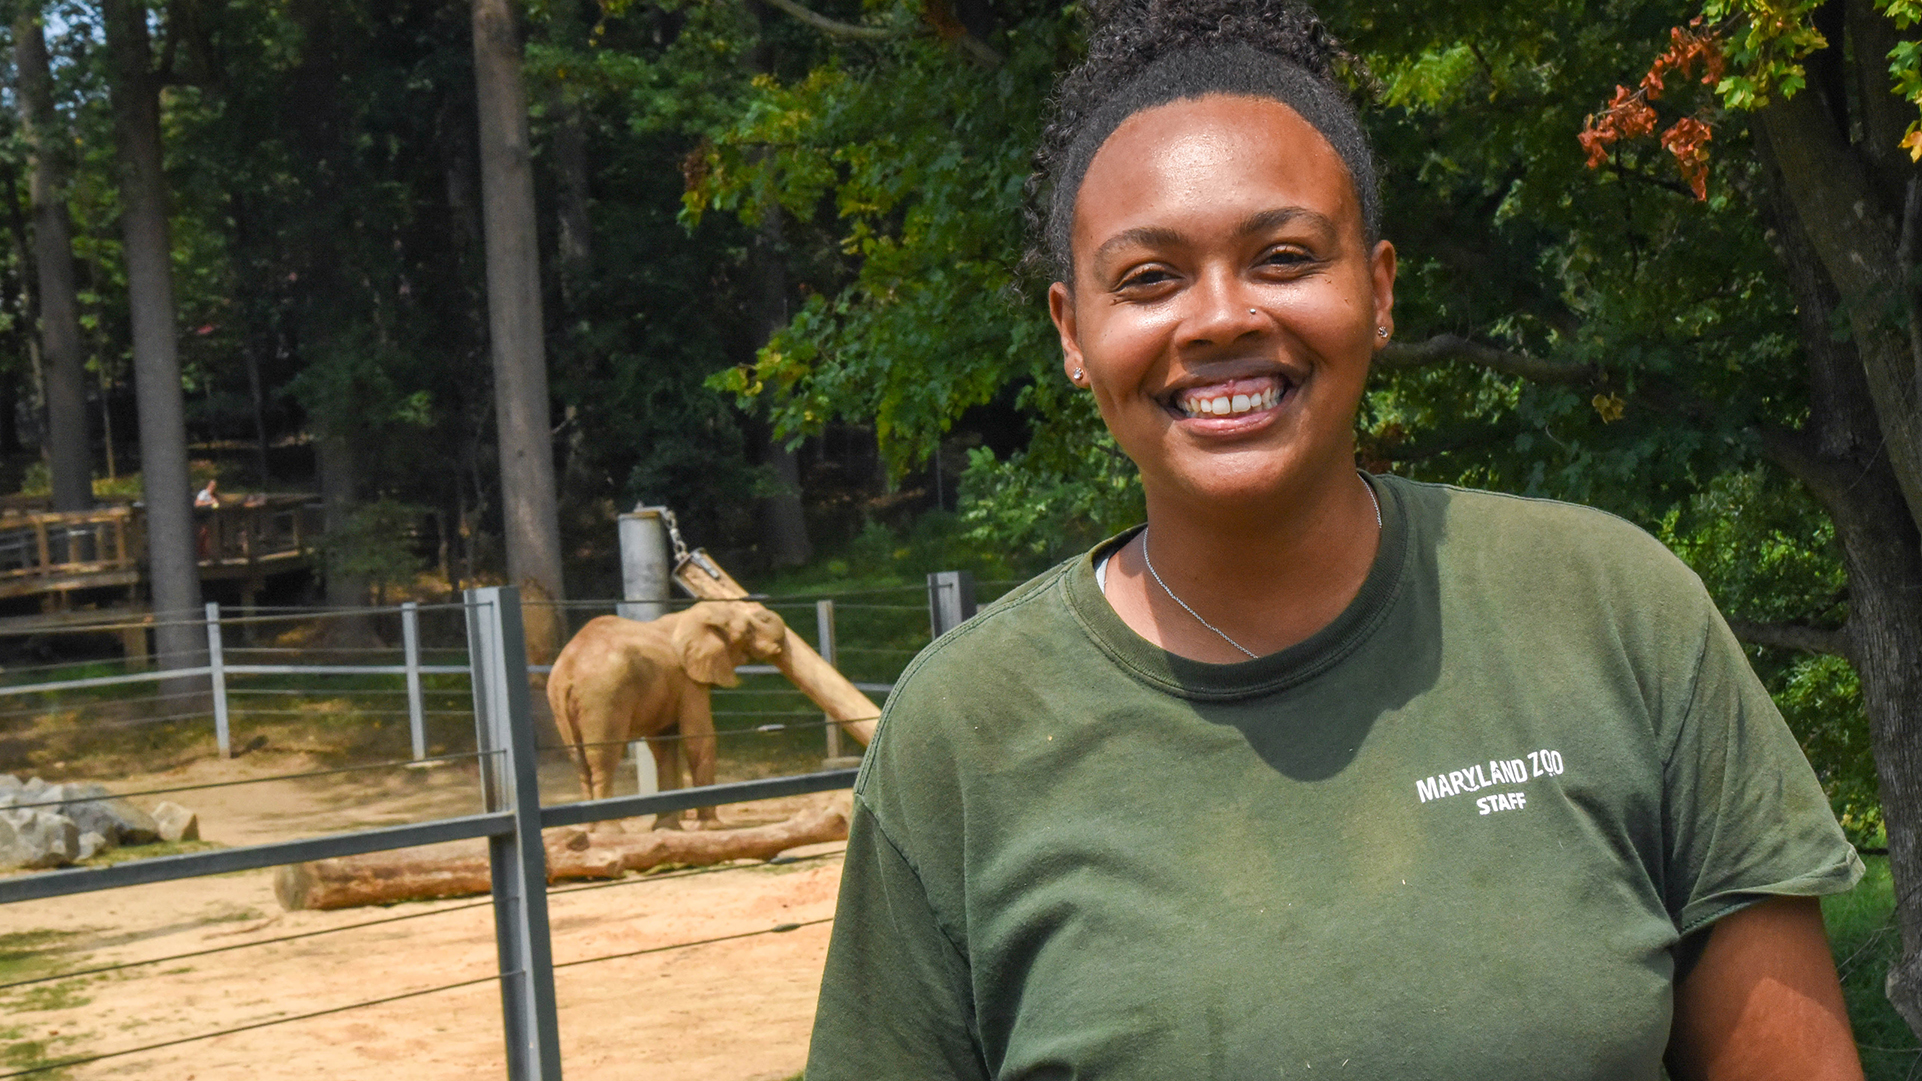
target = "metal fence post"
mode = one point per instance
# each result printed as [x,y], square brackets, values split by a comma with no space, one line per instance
[645,568]
[950,600]
[506,736]
[824,634]
[410,644]
[217,678]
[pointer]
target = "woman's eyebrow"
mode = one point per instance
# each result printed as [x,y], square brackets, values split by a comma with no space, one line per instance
[1148,236]
[1270,220]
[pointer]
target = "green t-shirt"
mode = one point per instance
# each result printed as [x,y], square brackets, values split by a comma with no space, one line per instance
[1454,834]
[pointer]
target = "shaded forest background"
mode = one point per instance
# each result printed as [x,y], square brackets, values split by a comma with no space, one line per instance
[1660,264]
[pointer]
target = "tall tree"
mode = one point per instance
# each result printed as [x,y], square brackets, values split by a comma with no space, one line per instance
[66,422]
[173,568]
[531,516]
[784,528]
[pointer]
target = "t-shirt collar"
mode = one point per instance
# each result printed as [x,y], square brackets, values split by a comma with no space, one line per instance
[1263,675]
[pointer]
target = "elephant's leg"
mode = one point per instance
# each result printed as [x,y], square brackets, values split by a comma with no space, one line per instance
[598,761]
[667,773]
[697,743]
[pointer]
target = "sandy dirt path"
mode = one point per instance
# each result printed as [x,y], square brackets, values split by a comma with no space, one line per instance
[727,1011]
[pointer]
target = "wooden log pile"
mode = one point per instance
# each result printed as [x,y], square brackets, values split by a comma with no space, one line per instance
[384,878]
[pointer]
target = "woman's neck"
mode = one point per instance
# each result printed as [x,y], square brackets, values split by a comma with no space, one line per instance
[1265,574]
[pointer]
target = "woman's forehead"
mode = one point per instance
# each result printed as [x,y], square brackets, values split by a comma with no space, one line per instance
[1212,152]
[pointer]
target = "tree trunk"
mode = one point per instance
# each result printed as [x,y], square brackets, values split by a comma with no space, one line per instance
[66,420]
[784,527]
[1841,456]
[1856,238]
[172,567]
[529,515]
[339,498]
[574,240]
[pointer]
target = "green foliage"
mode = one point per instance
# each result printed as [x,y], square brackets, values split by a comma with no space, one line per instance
[1765,43]
[1070,487]
[921,156]
[377,544]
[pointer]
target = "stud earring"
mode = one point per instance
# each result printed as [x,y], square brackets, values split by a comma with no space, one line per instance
[1077,375]
[1381,332]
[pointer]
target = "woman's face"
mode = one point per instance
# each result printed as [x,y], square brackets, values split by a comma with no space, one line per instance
[1225,302]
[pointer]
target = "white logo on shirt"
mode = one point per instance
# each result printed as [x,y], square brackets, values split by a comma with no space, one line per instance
[1496,771]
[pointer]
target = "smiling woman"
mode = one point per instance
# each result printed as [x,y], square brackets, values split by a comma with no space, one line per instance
[1315,768]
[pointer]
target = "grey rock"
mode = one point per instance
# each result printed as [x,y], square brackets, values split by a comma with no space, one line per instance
[176,822]
[9,783]
[33,787]
[35,839]
[96,810]
[92,844]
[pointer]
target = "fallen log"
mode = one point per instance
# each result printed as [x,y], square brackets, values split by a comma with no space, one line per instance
[640,851]
[383,878]
[416,874]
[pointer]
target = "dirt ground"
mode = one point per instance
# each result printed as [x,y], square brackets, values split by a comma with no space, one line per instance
[728,1011]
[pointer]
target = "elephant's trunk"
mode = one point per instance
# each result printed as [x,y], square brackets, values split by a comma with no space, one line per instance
[841,700]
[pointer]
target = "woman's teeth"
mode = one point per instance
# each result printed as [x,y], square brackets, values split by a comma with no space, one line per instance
[1228,405]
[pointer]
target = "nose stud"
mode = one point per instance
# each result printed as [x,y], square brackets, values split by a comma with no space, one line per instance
[1251,311]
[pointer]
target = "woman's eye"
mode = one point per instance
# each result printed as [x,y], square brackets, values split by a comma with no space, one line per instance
[1143,278]
[1287,257]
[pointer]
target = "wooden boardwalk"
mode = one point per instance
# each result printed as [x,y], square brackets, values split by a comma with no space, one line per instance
[101,555]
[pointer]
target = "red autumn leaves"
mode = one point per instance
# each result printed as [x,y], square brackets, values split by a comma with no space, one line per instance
[1629,116]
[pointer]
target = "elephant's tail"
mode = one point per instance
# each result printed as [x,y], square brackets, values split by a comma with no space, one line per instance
[568,719]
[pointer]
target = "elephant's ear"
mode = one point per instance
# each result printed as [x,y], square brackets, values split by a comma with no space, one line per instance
[704,652]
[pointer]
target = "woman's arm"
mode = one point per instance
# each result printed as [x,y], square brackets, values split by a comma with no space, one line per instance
[1763,1002]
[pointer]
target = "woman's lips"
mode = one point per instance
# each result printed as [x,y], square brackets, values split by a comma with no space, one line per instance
[1230,398]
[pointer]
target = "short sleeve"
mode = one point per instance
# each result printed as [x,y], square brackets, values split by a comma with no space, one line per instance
[1744,816]
[896,1000]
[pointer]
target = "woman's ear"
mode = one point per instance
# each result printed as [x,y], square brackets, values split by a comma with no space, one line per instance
[700,638]
[1061,310]
[1382,270]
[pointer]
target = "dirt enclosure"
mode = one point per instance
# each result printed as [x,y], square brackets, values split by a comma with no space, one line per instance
[727,1011]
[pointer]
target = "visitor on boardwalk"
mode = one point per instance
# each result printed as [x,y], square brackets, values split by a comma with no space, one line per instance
[1316,772]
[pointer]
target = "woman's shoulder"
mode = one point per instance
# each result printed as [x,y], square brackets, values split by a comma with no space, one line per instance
[1546,551]
[1529,525]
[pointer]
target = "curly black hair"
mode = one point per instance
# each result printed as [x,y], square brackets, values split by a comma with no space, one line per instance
[1146,53]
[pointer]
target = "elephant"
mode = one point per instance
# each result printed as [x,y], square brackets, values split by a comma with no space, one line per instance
[622,679]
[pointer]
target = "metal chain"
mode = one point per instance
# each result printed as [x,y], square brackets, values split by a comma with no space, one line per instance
[674,536]
[1372,497]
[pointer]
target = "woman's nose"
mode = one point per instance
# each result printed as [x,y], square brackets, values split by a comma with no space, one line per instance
[1223,311]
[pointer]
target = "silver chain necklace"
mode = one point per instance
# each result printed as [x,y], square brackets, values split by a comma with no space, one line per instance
[1376,500]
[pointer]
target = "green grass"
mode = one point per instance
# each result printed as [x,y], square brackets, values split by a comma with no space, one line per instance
[26,955]
[1862,933]
[61,995]
[17,1053]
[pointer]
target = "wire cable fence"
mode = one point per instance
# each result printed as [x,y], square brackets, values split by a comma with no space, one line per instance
[82,1060]
[504,752]
[466,906]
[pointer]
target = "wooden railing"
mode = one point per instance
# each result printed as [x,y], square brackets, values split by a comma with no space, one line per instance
[52,550]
